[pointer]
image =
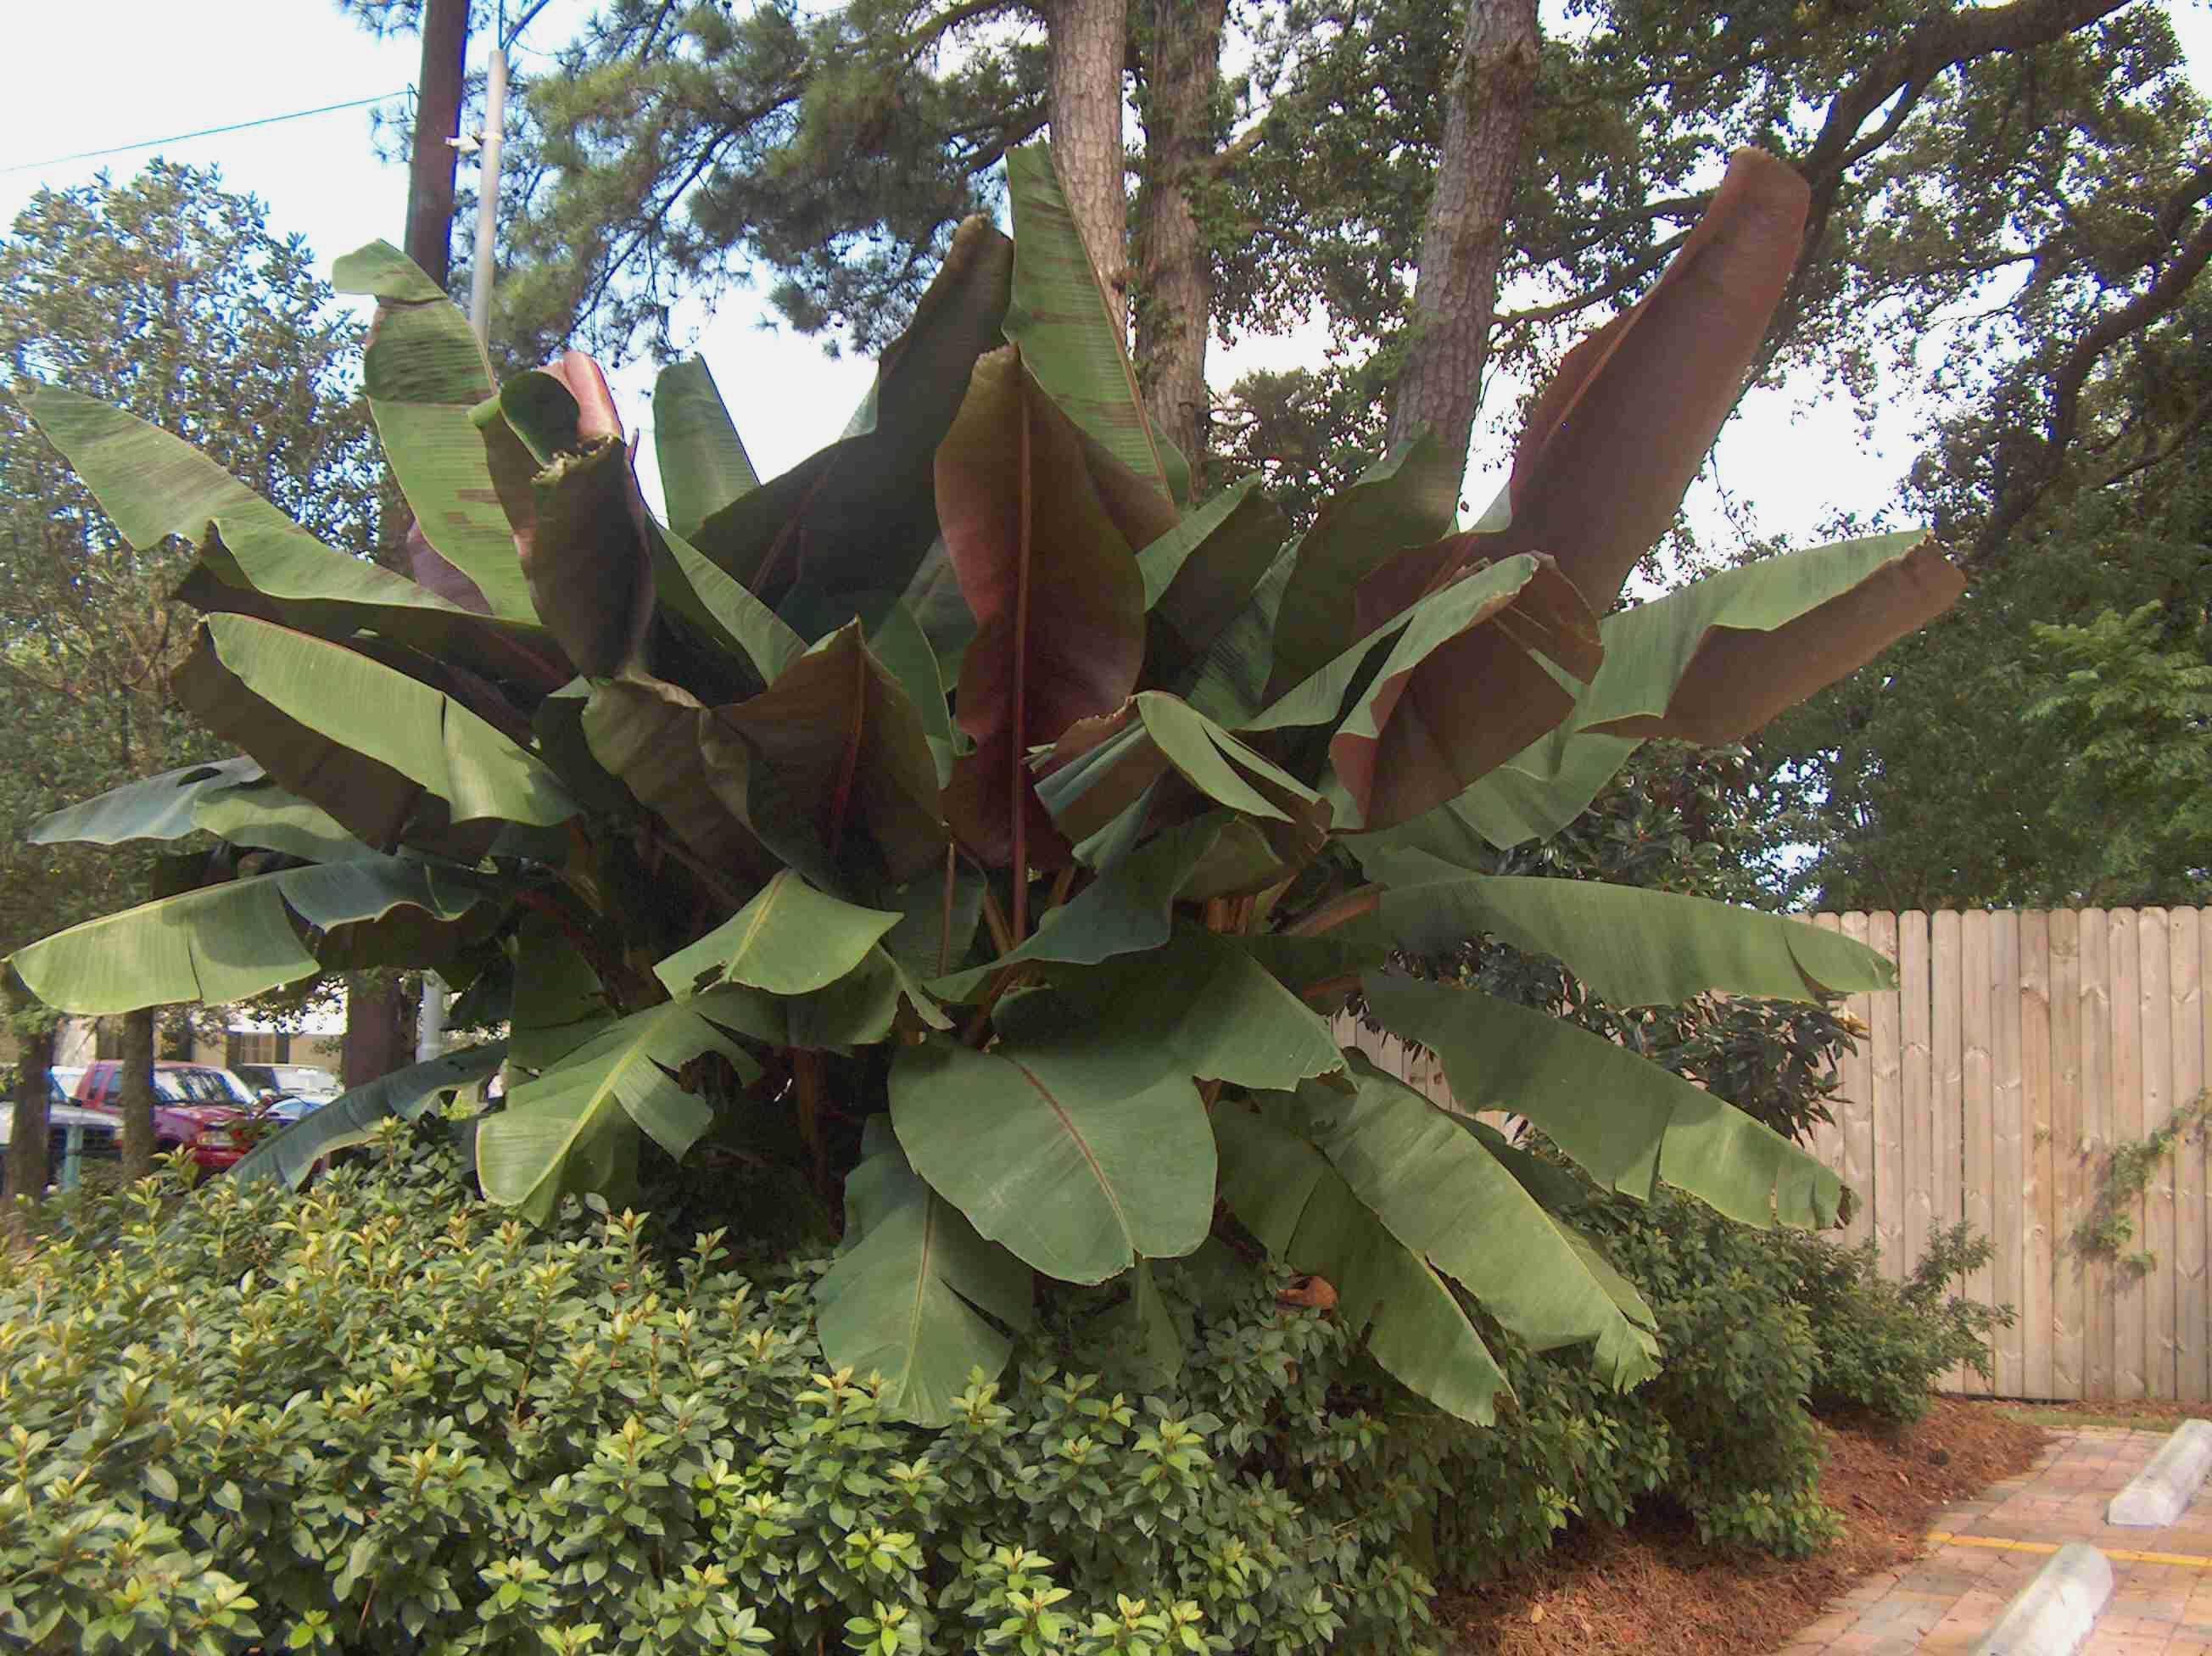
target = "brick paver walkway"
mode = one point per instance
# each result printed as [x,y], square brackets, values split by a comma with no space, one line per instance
[1943,1602]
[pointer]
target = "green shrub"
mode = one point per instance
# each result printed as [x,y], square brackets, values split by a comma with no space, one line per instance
[1881,1344]
[378,1416]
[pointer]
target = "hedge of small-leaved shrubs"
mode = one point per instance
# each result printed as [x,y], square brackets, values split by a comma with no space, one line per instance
[380,1415]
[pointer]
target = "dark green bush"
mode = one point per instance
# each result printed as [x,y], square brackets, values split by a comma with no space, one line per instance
[1881,1344]
[377,1417]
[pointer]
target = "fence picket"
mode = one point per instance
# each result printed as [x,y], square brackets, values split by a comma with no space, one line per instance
[2037,1195]
[2068,1162]
[2184,945]
[2096,1006]
[1978,1121]
[1856,1113]
[1946,1112]
[2155,1037]
[1886,1080]
[2007,1148]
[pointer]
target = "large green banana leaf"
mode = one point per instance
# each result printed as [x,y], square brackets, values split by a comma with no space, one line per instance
[858,518]
[1058,316]
[1078,1155]
[703,465]
[1100,767]
[1201,573]
[1633,947]
[1286,1194]
[1626,1121]
[574,1128]
[263,815]
[1129,909]
[790,940]
[1438,1189]
[558,1002]
[425,374]
[307,709]
[1205,1003]
[1408,498]
[691,584]
[229,941]
[351,1118]
[917,1297]
[1709,663]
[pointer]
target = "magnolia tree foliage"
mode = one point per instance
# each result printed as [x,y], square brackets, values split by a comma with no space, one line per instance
[967,822]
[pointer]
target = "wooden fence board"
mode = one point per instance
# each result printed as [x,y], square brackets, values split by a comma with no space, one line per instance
[1977,1123]
[2127,1126]
[2069,1161]
[2009,1143]
[1856,1113]
[2038,1197]
[2184,950]
[1827,1138]
[2096,1000]
[1948,1101]
[1885,1082]
[2155,1035]
[1915,1090]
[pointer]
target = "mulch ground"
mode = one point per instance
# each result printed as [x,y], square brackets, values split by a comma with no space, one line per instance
[1651,1588]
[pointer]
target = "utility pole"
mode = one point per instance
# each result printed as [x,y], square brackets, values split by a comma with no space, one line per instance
[483,267]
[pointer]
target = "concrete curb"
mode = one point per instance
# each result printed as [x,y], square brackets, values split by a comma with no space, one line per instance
[2053,1614]
[2162,1492]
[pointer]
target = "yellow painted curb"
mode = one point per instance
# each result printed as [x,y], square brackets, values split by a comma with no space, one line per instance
[2184,1560]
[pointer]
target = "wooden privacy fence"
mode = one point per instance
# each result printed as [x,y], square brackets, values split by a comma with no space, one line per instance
[2019,1050]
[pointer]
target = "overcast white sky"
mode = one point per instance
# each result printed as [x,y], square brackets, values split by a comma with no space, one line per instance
[109,72]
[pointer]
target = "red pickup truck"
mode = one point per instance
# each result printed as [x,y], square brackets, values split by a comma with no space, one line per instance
[198,1106]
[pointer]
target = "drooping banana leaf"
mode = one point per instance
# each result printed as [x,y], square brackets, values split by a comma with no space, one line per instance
[159,807]
[858,518]
[263,815]
[1287,1195]
[917,1297]
[425,374]
[703,465]
[1060,317]
[1057,602]
[351,1118]
[311,712]
[1439,1189]
[255,560]
[1633,947]
[588,566]
[575,1129]
[790,940]
[1078,1156]
[1709,663]
[1626,1120]
[229,941]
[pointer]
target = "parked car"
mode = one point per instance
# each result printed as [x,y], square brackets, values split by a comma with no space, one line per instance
[198,1106]
[74,1137]
[289,1080]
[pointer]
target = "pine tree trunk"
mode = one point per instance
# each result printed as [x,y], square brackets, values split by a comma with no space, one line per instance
[1174,268]
[1089,45]
[434,162]
[28,1171]
[380,1028]
[136,1096]
[1492,91]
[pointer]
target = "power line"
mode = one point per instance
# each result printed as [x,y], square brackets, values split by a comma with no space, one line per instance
[204,132]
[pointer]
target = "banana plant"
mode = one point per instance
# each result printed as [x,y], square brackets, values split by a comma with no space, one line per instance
[967,825]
